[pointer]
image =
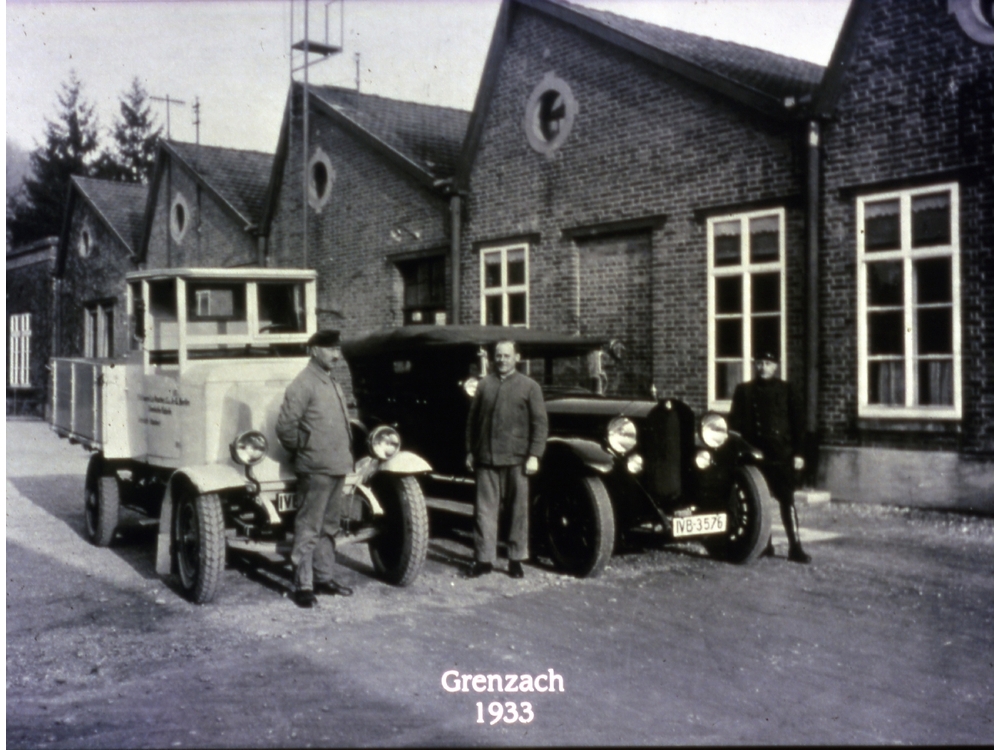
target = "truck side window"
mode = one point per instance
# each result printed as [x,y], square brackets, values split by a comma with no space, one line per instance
[163,309]
[281,307]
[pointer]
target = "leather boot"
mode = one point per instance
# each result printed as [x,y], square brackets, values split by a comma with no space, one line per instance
[790,519]
[769,549]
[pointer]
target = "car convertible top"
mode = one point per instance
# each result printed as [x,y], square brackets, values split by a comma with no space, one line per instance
[422,337]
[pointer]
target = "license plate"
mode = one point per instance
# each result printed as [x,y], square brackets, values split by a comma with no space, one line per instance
[285,501]
[708,523]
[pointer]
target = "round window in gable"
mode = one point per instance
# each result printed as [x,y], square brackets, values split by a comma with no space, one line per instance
[975,17]
[85,245]
[180,217]
[549,114]
[321,176]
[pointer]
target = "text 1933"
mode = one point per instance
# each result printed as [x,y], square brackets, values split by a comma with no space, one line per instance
[507,712]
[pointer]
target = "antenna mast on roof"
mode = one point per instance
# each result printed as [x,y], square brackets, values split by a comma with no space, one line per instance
[169,101]
[307,47]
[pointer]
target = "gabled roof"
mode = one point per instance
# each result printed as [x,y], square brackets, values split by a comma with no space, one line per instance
[236,177]
[768,82]
[118,205]
[421,139]
[833,80]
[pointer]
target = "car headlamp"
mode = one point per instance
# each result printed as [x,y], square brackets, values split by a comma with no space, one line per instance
[714,430]
[249,448]
[702,459]
[634,464]
[469,385]
[621,435]
[384,442]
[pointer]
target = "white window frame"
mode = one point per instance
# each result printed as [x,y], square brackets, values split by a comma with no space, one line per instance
[505,289]
[745,269]
[19,374]
[908,254]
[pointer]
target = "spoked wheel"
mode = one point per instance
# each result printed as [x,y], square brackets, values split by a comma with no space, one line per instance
[748,521]
[577,524]
[101,502]
[200,545]
[399,550]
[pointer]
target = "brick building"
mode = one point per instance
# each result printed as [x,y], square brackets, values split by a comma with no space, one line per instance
[906,274]
[29,326]
[380,217]
[97,248]
[204,208]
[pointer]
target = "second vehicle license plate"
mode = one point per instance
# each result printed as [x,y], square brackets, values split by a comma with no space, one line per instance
[285,501]
[708,523]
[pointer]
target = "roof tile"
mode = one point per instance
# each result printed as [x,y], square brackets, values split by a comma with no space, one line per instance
[122,204]
[239,177]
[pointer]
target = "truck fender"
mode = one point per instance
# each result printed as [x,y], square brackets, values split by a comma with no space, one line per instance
[199,479]
[585,452]
[405,462]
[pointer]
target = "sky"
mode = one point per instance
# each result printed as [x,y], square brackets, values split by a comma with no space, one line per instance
[234,56]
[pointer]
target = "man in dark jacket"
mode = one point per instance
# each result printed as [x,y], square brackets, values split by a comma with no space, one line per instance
[313,426]
[764,412]
[505,437]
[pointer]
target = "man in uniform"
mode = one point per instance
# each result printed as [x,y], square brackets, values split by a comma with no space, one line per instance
[313,426]
[505,436]
[765,414]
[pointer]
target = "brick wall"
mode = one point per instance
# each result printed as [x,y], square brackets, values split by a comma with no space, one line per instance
[214,237]
[643,143]
[917,100]
[100,277]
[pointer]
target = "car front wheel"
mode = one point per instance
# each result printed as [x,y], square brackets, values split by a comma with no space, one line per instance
[748,519]
[578,524]
[399,550]
[101,502]
[200,545]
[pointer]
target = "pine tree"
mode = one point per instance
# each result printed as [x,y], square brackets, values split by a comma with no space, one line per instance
[132,155]
[71,142]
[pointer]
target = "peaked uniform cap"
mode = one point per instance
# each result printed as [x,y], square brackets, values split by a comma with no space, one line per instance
[327,337]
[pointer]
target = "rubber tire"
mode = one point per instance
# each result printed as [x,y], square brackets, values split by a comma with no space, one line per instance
[749,519]
[199,545]
[399,551]
[581,500]
[101,502]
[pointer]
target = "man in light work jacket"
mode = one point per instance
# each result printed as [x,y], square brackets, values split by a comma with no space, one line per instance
[505,437]
[764,412]
[313,425]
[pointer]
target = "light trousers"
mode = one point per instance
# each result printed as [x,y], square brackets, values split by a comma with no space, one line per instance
[495,485]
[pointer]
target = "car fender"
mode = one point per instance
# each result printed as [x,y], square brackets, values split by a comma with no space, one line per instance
[405,462]
[200,480]
[585,452]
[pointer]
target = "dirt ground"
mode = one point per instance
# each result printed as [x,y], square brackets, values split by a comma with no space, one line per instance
[886,638]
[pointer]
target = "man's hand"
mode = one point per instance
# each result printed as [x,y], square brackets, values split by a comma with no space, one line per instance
[531,465]
[469,462]
[799,463]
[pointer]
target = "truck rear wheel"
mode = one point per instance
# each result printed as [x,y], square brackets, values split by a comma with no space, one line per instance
[102,500]
[400,549]
[748,522]
[577,524]
[200,545]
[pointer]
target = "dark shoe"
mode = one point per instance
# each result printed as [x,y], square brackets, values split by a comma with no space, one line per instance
[797,554]
[515,569]
[768,550]
[479,569]
[305,598]
[333,588]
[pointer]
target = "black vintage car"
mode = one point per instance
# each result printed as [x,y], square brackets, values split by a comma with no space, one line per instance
[613,462]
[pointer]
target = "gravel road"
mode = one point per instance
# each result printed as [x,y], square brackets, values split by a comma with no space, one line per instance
[886,638]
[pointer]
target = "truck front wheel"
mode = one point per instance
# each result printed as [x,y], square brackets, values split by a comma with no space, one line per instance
[200,545]
[399,550]
[101,502]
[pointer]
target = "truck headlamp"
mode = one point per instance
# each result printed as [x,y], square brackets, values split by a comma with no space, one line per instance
[621,435]
[714,430]
[384,442]
[249,448]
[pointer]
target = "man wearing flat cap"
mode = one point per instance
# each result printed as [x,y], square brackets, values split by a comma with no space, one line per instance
[314,427]
[764,412]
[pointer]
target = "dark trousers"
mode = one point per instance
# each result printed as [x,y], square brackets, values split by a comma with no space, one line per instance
[494,484]
[316,523]
[781,480]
